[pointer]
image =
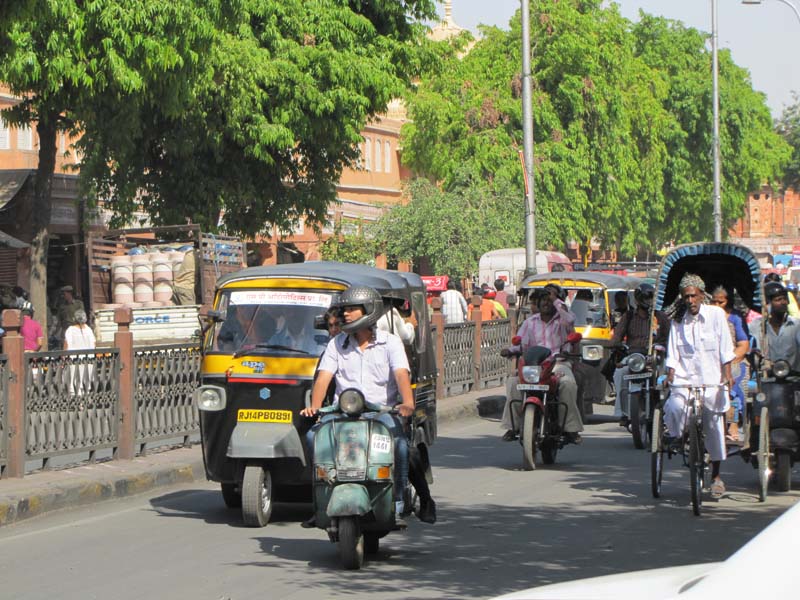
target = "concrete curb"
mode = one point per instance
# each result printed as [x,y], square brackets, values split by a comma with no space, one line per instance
[44,492]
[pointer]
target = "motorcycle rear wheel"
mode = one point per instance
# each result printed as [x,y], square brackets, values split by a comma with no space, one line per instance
[549,451]
[783,471]
[351,543]
[530,435]
[638,418]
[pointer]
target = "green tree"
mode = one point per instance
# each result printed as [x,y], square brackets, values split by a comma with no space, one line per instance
[72,61]
[450,228]
[358,248]
[788,127]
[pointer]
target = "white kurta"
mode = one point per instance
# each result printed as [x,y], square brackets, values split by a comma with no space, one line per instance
[698,348]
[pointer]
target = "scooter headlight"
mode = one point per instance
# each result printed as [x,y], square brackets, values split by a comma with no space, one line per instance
[636,363]
[531,373]
[210,398]
[780,369]
[352,402]
[592,353]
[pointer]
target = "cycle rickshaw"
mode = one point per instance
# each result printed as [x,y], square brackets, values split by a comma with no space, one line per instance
[718,264]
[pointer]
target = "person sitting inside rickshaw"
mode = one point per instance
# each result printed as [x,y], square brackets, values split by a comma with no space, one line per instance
[373,361]
[634,330]
[781,331]
[723,298]
[550,328]
[621,307]
[699,354]
[236,327]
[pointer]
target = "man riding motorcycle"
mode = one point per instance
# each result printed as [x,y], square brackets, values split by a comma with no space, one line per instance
[634,330]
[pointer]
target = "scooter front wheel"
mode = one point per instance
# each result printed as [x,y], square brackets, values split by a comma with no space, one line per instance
[351,543]
[256,495]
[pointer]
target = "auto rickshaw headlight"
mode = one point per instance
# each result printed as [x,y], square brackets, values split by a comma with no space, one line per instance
[352,402]
[780,369]
[531,373]
[210,398]
[592,353]
[636,362]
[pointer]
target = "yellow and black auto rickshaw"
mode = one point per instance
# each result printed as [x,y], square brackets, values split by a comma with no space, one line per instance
[262,348]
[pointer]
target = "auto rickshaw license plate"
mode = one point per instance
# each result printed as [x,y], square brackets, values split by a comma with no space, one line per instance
[264,416]
[535,387]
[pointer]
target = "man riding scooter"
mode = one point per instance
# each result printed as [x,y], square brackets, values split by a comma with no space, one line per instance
[373,361]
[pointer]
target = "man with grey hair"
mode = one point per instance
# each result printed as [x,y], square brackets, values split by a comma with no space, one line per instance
[699,353]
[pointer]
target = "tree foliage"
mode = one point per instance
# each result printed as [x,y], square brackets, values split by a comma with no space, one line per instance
[453,227]
[357,248]
[788,126]
[622,126]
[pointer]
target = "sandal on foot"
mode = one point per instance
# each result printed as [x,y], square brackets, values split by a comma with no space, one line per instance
[509,436]
[717,488]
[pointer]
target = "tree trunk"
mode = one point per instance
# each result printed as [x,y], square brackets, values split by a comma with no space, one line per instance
[42,208]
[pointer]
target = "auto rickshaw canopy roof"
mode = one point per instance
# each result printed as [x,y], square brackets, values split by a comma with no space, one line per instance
[717,263]
[389,284]
[582,279]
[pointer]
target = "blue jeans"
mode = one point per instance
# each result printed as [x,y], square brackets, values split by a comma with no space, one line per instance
[395,427]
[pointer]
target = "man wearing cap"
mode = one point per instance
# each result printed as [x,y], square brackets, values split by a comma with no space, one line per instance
[699,353]
[69,306]
[779,336]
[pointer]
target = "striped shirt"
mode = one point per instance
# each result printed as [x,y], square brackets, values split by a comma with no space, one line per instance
[551,334]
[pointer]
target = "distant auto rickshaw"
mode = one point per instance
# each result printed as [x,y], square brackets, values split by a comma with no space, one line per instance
[266,334]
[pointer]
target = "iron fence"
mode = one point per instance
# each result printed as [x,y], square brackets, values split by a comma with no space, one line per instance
[495,335]
[3,411]
[457,362]
[164,379]
[71,402]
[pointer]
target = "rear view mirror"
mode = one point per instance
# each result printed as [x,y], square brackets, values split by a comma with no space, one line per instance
[574,337]
[216,316]
[320,322]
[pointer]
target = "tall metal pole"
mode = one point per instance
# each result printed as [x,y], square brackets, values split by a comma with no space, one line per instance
[715,101]
[527,148]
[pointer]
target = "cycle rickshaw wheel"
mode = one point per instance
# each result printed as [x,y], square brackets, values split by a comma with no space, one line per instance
[763,454]
[696,467]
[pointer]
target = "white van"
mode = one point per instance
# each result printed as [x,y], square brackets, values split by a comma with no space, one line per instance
[508,264]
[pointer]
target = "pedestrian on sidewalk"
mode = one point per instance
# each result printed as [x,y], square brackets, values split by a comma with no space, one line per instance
[454,306]
[80,337]
[31,330]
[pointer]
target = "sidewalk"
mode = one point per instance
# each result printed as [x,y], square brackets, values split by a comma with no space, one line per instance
[47,491]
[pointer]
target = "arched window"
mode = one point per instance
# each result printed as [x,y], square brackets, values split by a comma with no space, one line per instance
[387,157]
[378,161]
[368,154]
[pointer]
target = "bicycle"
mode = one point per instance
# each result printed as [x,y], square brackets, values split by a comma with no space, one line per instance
[691,445]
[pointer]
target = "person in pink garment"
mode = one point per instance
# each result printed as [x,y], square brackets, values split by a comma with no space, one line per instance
[31,330]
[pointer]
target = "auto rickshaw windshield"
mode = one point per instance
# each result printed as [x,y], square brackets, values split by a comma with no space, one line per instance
[588,306]
[269,322]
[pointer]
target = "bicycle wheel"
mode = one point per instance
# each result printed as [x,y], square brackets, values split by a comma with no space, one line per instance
[696,465]
[656,455]
[763,454]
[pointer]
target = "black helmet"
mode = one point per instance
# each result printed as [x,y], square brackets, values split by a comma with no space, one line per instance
[644,294]
[772,277]
[367,297]
[774,289]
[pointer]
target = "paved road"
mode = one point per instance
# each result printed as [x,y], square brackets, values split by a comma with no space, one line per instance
[500,529]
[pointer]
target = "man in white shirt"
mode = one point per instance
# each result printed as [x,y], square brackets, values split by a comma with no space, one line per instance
[454,306]
[699,353]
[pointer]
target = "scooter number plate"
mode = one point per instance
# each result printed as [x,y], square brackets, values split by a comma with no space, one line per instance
[264,416]
[636,376]
[532,387]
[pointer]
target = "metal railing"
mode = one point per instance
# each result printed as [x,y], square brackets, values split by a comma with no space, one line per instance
[3,410]
[164,379]
[495,335]
[457,362]
[71,402]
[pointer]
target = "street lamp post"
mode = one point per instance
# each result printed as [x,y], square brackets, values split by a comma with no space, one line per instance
[527,141]
[786,2]
[715,102]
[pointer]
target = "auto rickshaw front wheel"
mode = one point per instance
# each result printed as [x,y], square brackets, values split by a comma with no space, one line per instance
[256,495]
[351,543]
